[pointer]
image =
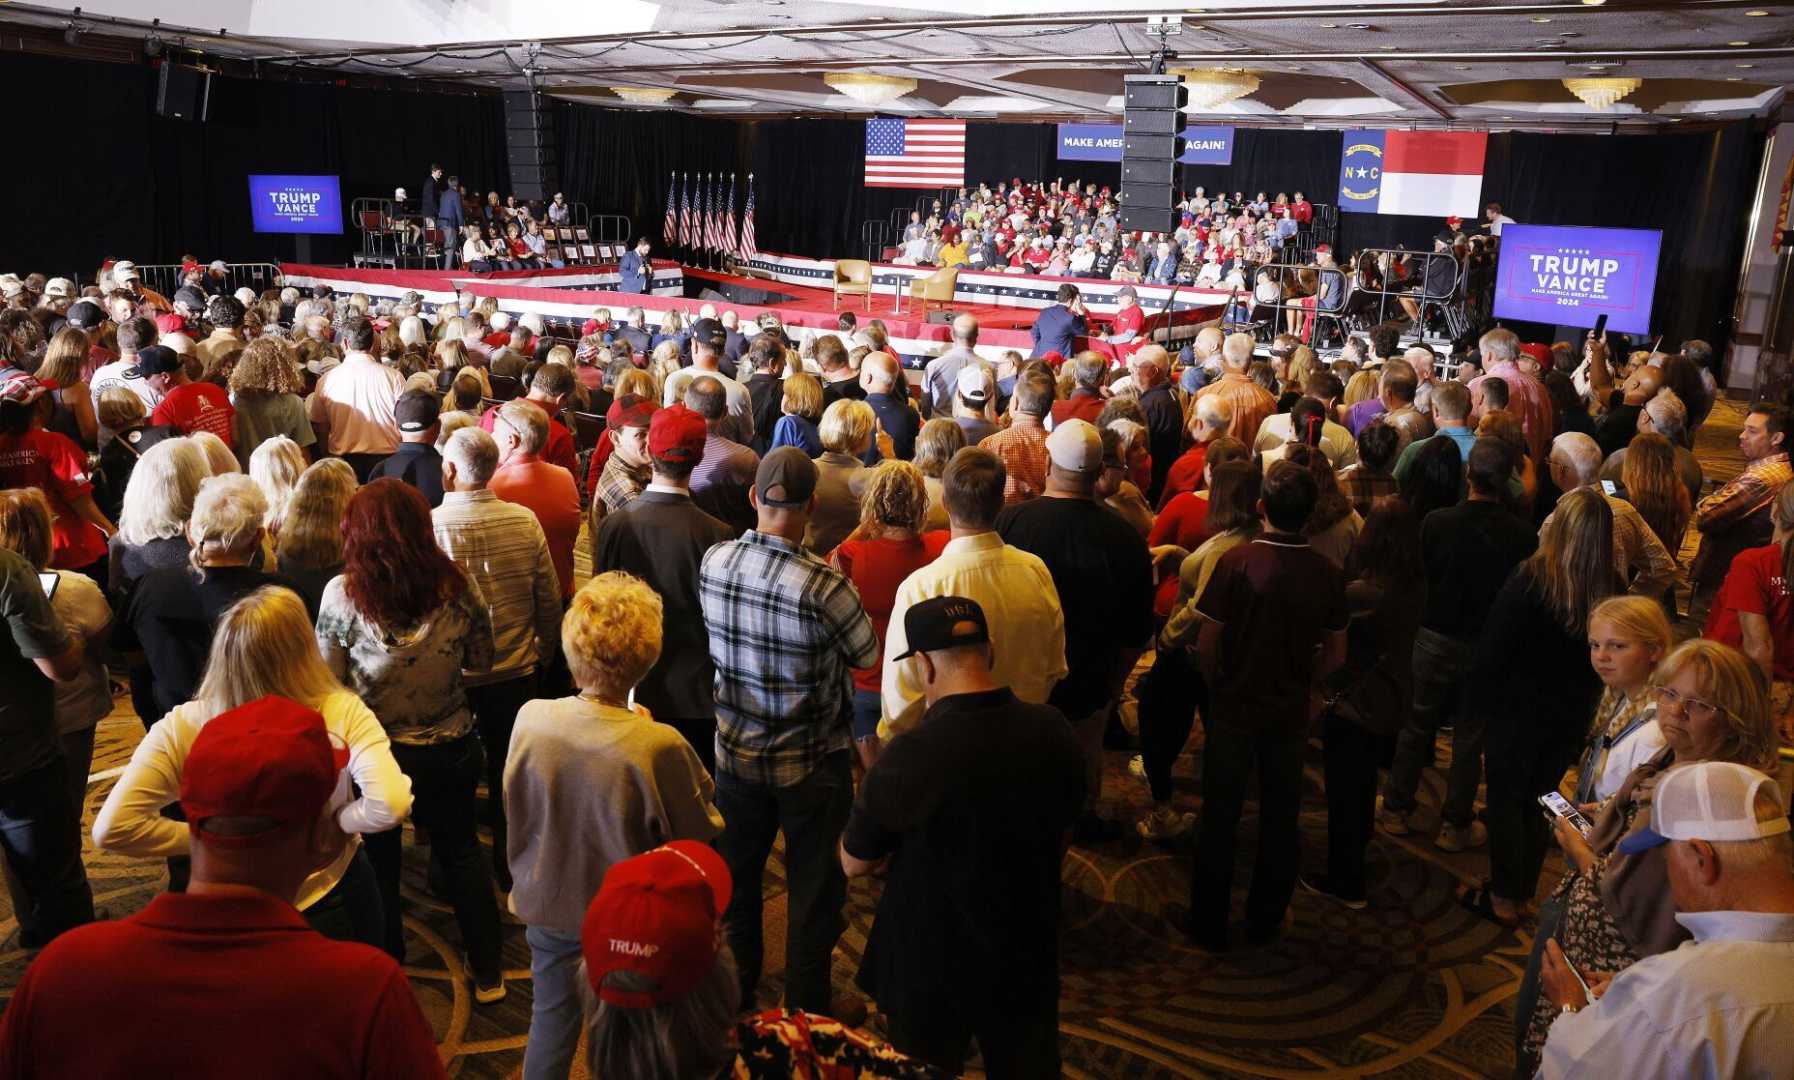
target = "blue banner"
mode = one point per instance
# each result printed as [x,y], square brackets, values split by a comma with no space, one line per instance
[1361,172]
[1102,142]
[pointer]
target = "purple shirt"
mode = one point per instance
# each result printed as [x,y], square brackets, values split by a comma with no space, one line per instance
[720,482]
[1359,416]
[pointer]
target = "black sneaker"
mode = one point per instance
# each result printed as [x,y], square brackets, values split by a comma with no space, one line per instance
[1320,886]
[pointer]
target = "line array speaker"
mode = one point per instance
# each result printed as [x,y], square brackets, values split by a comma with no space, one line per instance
[1151,144]
[529,146]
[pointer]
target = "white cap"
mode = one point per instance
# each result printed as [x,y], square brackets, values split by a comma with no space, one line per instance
[11,286]
[124,270]
[531,322]
[218,264]
[398,193]
[975,383]
[180,343]
[246,296]
[1075,446]
[1711,800]
[499,321]
[59,287]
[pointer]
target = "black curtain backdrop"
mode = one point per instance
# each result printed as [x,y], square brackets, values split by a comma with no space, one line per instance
[620,161]
[108,177]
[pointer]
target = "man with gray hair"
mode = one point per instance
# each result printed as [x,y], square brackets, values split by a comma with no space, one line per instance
[940,379]
[1088,370]
[720,482]
[1164,410]
[1575,462]
[1720,1004]
[545,489]
[504,551]
[1205,360]
[1528,399]
[888,394]
[1663,415]
[1251,402]
[549,389]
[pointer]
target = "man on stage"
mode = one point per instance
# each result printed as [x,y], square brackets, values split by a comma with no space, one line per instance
[636,270]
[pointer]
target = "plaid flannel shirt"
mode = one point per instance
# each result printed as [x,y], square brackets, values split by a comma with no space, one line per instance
[785,630]
[619,483]
[1747,492]
[1364,487]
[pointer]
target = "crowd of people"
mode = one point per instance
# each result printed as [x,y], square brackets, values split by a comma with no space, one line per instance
[784,593]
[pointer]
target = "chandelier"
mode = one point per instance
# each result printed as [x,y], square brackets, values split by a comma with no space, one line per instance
[1600,94]
[644,95]
[1211,88]
[873,90]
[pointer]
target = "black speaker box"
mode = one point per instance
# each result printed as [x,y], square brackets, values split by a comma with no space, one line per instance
[1155,92]
[1148,219]
[182,92]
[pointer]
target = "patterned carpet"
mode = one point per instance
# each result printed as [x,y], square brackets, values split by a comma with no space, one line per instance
[1412,987]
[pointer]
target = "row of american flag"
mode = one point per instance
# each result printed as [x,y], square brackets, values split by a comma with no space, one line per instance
[701,215]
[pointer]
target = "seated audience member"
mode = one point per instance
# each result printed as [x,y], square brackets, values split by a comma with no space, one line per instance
[1013,588]
[937,442]
[398,626]
[31,456]
[847,432]
[590,783]
[258,783]
[416,462]
[964,944]
[546,490]
[1737,516]
[1718,1005]
[309,549]
[1535,726]
[1369,696]
[1753,612]
[503,550]
[1273,623]
[264,646]
[662,997]
[661,537]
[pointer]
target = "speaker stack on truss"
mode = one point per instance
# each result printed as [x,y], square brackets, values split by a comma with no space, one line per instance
[1152,141]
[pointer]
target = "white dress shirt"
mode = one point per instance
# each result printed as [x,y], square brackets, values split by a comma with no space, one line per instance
[131,821]
[357,400]
[1721,1006]
[1021,608]
[739,406]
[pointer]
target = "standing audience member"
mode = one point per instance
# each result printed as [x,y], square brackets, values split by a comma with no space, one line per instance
[1103,576]
[847,432]
[526,479]
[969,813]
[1021,447]
[1644,564]
[721,481]
[622,476]
[265,388]
[258,781]
[504,551]
[940,379]
[1163,413]
[264,646]
[398,626]
[1754,614]
[1274,622]
[590,783]
[1527,397]
[888,394]
[309,549]
[660,537]
[785,628]
[354,405]
[416,462]
[1737,516]
[1252,403]
[30,456]
[937,442]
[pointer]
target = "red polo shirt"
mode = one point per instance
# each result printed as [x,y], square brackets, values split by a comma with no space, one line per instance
[548,491]
[213,986]
[559,448]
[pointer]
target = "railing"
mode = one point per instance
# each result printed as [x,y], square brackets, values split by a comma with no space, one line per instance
[875,236]
[165,278]
[608,228]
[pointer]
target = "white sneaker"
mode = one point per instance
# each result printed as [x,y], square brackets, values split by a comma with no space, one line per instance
[1136,766]
[1164,823]
[484,995]
[1391,822]
[1452,838]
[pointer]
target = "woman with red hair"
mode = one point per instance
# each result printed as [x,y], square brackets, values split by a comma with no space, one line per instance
[398,626]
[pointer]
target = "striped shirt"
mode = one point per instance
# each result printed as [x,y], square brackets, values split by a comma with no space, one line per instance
[785,631]
[502,547]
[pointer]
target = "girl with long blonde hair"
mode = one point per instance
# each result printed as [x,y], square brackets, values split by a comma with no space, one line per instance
[1654,487]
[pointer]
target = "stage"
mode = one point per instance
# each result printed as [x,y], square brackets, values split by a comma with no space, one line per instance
[799,291]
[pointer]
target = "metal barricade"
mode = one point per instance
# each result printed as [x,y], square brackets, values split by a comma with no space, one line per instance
[875,236]
[1449,299]
[609,228]
[165,278]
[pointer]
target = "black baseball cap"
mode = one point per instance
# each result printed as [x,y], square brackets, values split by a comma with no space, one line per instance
[709,333]
[944,622]
[157,360]
[85,315]
[417,410]
[786,478]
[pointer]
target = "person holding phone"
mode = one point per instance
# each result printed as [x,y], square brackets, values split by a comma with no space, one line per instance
[1615,908]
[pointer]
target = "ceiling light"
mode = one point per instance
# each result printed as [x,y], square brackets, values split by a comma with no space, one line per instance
[1358,26]
[1744,67]
[1541,18]
[1600,94]
[1756,14]
[644,95]
[873,90]
[1329,26]
[1737,44]
[1734,78]
[1594,3]
[1460,67]
[1211,88]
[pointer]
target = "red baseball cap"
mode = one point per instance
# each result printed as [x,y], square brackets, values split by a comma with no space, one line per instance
[658,915]
[1541,353]
[170,324]
[677,434]
[630,410]
[271,758]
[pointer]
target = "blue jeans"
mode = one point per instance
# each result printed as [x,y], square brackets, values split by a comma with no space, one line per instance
[866,709]
[352,910]
[812,813]
[40,836]
[555,1013]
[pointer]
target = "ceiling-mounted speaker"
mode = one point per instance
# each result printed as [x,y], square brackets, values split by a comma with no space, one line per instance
[182,92]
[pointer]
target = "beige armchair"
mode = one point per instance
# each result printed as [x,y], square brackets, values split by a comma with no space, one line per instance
[853,277]
[936,288]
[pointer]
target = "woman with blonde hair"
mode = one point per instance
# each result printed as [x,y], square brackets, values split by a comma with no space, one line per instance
[846,432]
[220,459]
[1615,908]
[266,387]
[275,467]
[937,442]
[1536,720]
[309,550]
[567,756]
[801,404]
[887,546]
[72,412]
[464,396]
[263,645]
[152,520]
[663,360]
[1654,487]
[455,360]
[1627,637]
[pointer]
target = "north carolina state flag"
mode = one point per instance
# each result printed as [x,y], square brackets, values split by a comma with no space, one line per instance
[1429,173]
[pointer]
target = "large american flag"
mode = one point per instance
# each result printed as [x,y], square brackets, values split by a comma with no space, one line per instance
[915,153]
[710,222]
[685,223]
[729,219]
[746,249]
[669,232]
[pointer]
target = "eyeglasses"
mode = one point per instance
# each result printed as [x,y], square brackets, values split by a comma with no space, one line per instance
[1695,708]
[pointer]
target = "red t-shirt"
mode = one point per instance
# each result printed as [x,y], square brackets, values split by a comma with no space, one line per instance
[198,406]
[877,568]
[1185,474]
[1183,522]
[559,449]
[53,463]
[241,987]
[1755,584]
